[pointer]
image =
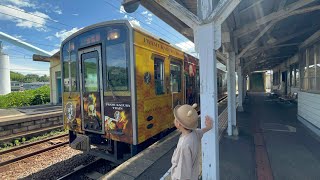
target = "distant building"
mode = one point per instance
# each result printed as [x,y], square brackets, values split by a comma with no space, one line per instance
[16,86]
[55,76]
[34,85]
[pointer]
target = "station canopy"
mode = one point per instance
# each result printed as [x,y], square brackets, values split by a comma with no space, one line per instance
[265,32]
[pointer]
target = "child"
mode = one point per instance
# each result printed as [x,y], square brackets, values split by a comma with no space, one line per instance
[185,159]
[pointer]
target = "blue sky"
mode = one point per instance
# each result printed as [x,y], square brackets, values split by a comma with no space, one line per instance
[45,23]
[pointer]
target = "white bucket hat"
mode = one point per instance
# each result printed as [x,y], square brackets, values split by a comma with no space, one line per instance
[186,115]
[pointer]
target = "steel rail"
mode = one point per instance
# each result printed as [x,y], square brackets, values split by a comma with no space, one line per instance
[33,153]
[31,144]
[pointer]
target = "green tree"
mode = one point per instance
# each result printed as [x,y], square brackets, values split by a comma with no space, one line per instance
[31,78]
[44,78]
[15,76]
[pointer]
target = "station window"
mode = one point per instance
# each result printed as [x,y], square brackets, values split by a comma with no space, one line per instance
[175,77]
[294,75]
[297,74]
[159,75]
[276,78]
[310,69]
[317,66]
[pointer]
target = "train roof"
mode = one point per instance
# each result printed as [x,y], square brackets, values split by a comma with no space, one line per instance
[139,28]
[128,23]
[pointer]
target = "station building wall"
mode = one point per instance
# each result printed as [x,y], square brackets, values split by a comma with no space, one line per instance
[55,70]
[304,78]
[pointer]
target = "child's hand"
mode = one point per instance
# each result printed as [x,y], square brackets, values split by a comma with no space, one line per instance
[208,122]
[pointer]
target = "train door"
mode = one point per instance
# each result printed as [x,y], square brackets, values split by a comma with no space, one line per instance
[176,83]
[91,89]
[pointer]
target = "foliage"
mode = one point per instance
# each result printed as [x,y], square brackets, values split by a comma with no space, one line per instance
[16,142]
[24,140]
[15,76]
[26,98]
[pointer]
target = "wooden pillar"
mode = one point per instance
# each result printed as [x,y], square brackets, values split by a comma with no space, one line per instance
[204,37]
[231,86]
[240,89]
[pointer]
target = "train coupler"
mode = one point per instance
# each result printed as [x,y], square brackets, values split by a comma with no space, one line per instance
[81,143]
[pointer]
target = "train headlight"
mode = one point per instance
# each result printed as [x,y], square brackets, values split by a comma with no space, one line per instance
[113,34]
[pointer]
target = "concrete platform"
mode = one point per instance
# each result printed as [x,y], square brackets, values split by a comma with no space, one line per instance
[292,150]
[29,121]
[18,115]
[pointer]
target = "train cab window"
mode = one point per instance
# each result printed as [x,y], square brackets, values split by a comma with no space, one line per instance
[175,77]
[70,76]
[117,68]
[117,59]
[159,76]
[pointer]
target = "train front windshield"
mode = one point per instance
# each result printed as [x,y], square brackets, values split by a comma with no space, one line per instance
[95,66]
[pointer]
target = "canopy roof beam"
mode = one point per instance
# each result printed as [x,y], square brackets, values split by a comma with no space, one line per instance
[279,15]
[180,12]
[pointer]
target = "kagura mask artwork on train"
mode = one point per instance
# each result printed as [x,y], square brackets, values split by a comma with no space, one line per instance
[118,119]
[91,111]
[71,108]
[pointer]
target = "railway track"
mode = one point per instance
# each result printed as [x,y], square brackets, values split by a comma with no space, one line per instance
[93,170]
[31,149]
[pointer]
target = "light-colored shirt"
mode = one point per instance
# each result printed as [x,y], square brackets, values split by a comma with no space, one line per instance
[185,159]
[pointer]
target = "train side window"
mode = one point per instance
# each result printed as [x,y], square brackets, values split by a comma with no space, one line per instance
[175,77]
[159,76]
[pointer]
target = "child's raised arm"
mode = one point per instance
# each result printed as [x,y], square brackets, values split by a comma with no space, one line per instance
[208,123]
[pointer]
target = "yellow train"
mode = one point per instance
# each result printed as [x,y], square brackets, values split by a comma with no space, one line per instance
[120,85]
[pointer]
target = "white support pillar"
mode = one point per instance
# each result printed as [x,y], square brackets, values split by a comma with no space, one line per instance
[204,38]
[240,89]
[231,86]
[244,88]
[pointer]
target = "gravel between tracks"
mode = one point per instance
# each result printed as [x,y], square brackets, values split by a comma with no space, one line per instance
[48,165]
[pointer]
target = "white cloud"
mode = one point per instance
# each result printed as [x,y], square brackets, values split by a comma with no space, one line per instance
[6,47]
[121,10]
[50,38]
[186,46]
[148,17]
[19,37]
[24,19]
[136,22]
[28,70]
[64,33]
[58,11]
[75,14]
[20,3]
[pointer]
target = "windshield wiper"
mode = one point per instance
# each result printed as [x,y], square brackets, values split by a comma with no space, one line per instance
[112,90]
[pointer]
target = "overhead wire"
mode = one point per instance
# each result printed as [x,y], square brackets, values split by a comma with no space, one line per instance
[31,21]
[141,22]
[36,15]
[23,57]
[161,27]
[28,70]
[19,52]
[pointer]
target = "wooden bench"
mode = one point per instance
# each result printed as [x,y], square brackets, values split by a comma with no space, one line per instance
[276,93]
[290,98]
